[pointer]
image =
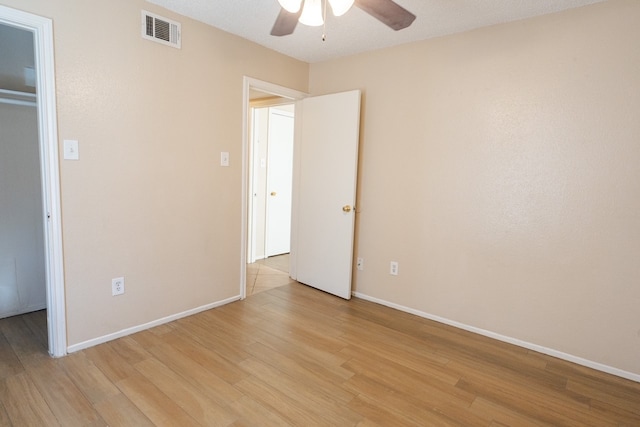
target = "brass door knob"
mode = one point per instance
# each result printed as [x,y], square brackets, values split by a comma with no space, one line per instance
[346,208]
[273,193]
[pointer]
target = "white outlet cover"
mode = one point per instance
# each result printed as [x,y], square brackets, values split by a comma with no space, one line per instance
[117,286]
[393,268]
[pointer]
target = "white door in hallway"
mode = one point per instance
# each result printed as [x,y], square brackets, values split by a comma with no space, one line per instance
[326,191]
[279,182]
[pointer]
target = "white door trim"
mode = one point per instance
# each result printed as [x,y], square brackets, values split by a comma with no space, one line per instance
[42,29]
[248,84]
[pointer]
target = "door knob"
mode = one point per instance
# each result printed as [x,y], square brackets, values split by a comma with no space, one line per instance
[346,208]
[273,193]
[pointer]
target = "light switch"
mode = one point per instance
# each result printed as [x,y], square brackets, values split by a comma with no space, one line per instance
[224,158]
[71,149]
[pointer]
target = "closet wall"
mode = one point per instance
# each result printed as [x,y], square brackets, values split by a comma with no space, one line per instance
[22,273]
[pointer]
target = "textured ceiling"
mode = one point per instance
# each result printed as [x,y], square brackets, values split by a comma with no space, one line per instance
[356,31]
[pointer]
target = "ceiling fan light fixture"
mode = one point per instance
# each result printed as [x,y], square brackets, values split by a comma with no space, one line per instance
[340,7]
[291,6]
[312,13]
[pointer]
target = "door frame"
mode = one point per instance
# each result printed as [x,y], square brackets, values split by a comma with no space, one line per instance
[248,84]
[42,29]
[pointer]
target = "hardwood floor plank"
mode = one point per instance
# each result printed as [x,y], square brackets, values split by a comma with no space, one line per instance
[316,305]
[381,415]
[9,362]
[608,411]
[253,413]
[322,364]
[155,405]
[469,368]
[309,394]
[129,350]
[589,375]
[382,338]
[184,394]
[446,409]
[88,378]
[500,415]
[110,363]
[208,384]
[204,356]
[304,335]
[4,417]
[547,407]
[200,333]
[288,366]
[282,404]
[217,329]
[66,401]
[118,411]
[407,381]
[411,360]
[24,404]
[625,398]
[147,339]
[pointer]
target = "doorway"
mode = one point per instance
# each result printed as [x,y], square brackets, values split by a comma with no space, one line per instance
[323,205]
[43,79]
[266,252]
[271,179]
[22,267]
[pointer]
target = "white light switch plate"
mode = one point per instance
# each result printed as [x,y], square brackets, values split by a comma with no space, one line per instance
[71,149]
[224,158]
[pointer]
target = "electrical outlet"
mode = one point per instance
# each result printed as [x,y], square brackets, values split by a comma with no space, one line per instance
[117,286]
[360,264]
[393,268]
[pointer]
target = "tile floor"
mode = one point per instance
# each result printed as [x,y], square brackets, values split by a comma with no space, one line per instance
[267,274]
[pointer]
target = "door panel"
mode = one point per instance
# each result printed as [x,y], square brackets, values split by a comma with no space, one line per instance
[326,192]
[279,182]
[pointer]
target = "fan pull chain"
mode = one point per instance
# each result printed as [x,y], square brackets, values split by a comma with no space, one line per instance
[324,22]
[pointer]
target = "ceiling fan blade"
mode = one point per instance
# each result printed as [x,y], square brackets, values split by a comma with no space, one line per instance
[285,23]
[388,12]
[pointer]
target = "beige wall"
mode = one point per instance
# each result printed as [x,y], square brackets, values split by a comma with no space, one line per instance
[148,200]
[501,169]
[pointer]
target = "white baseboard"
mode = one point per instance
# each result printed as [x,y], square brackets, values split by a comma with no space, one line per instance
[133,330]
[540,349]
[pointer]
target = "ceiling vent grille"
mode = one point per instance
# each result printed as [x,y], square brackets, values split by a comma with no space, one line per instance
[161,30]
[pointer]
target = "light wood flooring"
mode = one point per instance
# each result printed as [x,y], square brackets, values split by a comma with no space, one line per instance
[296,356]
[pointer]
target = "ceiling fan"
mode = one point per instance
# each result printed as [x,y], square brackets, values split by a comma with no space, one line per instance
[310,12]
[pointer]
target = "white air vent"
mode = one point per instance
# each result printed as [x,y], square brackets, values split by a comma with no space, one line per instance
[161,30]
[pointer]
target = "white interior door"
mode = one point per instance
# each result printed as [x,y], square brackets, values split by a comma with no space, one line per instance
[326,191]
[279,182]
